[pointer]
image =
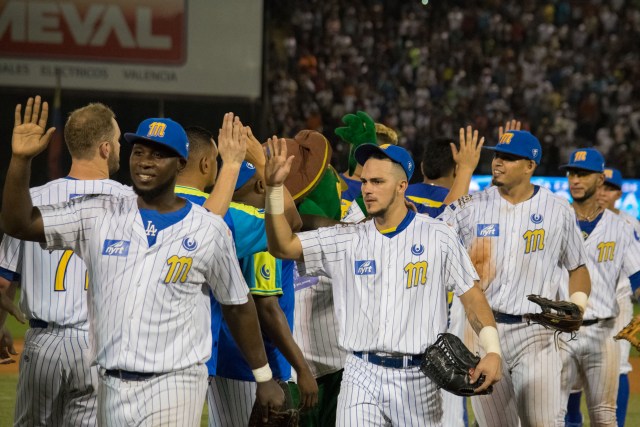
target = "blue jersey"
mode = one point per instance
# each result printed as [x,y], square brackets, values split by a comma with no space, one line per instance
[266,276]
[353,191]
[249,235]
[427,194]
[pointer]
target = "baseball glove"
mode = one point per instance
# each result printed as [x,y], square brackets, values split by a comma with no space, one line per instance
[282,417]
[631,332]
[563,316]
[285,418]
[447,363]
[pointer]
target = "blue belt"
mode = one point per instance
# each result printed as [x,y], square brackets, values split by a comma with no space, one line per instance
[397,362]
[590,322]
[129,375]
[507,318]
[37,323]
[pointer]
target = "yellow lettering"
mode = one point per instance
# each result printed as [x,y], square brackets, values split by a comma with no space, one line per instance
[61,272]
[178,269]
[506,138]
[157,129]
[416,273]
[606,251]
[580,156]
[534,240]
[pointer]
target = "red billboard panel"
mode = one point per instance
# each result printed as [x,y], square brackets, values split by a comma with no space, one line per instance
[141,31]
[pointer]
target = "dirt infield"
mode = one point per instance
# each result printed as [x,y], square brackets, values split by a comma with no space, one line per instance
[634,376]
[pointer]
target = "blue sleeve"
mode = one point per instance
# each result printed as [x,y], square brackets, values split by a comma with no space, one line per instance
[635,281]
[9,275]
[228,219]
[250,233]
[431,211]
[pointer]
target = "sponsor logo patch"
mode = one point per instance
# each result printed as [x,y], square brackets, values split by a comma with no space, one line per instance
[115,248]
[488,230]
[365,267]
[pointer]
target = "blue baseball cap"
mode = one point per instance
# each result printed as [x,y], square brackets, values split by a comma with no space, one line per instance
[165,132]
[519,143]
[588,159]
[613,177]
[393,152]
[247,170]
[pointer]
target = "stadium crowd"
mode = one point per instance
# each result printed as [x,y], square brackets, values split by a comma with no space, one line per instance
[568,69]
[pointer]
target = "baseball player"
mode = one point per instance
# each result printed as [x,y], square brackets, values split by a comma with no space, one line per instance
[514,231]
[613,253]
[247,226]
[270,281]
[390,277]
[57,384]
[148,259]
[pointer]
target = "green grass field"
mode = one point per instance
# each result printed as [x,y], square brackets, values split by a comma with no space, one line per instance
[8,386]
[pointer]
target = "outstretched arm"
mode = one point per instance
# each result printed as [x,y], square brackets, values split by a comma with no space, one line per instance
[274,324]
[280,238]
[481,319]
[245,330]
[466,158]
[232,146]
[19,218]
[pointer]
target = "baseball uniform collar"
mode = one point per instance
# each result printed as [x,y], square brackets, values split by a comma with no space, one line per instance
[391,232]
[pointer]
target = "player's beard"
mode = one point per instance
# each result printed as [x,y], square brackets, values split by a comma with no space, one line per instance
[152,193]
[383,211]
[588,193]
[496,183]
[113,163]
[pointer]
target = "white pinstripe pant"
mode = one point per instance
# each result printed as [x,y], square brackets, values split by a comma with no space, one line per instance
[372,395]
[529,392]
[230,401]
[171,399]
[56,386]
[594,358]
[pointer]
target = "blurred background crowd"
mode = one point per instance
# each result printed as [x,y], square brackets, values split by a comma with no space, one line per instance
[570,70]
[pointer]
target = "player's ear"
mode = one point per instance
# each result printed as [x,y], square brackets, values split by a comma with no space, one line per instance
[600,179]
[259,186]
[182,163]
[204,165]
[104,149]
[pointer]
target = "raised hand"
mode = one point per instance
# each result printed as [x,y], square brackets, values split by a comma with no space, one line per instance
[510,125]
[255,153]
[468,155]
[278,164]
[232,140]
[29,136]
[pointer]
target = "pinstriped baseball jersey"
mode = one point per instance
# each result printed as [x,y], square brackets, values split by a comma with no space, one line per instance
[148,305]
[390,293]
[54,283]
[612,252]
[540,232]
[624,286]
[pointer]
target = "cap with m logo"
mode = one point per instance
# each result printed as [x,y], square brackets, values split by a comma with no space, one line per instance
[519,143]
[588,159]
[163,131]
[613,177]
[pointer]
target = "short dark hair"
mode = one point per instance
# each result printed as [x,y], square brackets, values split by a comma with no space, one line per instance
[199,140]
[437,160]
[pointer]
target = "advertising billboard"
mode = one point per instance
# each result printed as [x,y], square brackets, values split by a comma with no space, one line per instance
[209,48]
[559,185]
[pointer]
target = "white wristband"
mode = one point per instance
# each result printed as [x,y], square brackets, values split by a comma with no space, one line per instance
[489,340]
[262,374]
[274,202]
[580,299]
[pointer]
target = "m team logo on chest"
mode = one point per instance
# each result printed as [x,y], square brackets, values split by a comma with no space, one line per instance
[488,230]
[365,267]
[115,248]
